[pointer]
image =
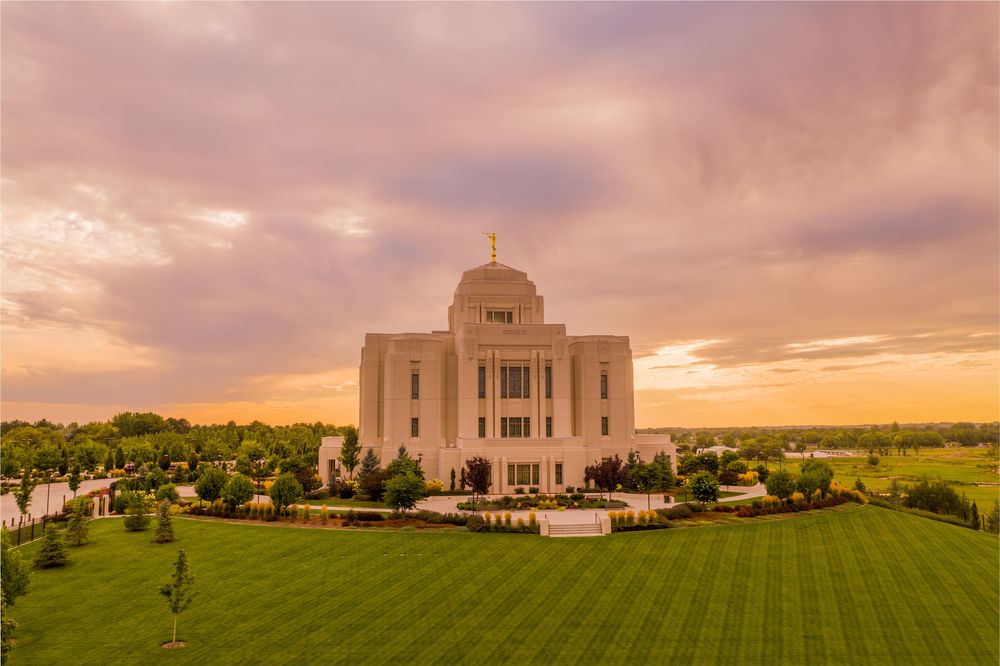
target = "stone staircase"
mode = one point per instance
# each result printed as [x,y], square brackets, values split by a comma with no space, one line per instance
[582,530]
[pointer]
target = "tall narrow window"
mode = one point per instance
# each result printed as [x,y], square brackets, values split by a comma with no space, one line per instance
[526,373]
[527,427]
[604,385]
[548,381]
[514,376]
[510,475]
[548,426]
[514,427]
[558,474]
[482,381]
[604,426]
[414,427]
[482,426]
[503,426]
[414,385]
[534,474]
[503,381]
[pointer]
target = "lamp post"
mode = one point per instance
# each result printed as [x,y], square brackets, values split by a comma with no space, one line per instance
[48,490]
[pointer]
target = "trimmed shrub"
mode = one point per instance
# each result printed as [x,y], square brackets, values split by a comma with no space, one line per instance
[475,524]
[506,519]
[324,516]
[532,520]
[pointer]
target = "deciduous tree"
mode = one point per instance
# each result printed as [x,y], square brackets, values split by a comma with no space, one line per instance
[180,591]
[476,474]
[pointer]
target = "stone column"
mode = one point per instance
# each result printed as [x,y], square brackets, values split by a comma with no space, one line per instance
[490,393]
[533,395]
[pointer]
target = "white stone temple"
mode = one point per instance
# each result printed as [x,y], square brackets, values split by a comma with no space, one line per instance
[500,383]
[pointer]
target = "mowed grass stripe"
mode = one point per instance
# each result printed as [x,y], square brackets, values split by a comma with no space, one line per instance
[769,592]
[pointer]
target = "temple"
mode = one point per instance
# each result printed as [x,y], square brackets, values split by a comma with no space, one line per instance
[500,383]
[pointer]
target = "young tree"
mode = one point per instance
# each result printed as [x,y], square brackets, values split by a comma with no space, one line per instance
[452,479]
[109,462]
[667,480]
[476,474]
[285,491]
[703,487]
[974,516]
[119,458]
[404,491]
[210,484]
[78,521]
[22,494]
[350,453]
[53,551]
[136,519]
[15,573]
[608,474]
[646,476]
[238,491]
[164,524]
[74,480]
[179,591]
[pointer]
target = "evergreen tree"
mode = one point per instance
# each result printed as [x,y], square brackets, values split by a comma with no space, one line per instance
[53,551]
[109,462]
[136,518]
[164,524]
[974,516]
[119,458]
[180,590]
[78,522]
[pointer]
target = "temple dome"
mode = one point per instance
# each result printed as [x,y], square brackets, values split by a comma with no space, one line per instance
[495,279]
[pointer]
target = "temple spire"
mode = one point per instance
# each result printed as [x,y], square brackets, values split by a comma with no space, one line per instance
[493,245]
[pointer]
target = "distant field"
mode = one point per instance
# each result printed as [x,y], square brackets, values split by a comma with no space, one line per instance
[961,467]
[858,586]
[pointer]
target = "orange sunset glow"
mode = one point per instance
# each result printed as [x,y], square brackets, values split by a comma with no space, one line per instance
[790,209]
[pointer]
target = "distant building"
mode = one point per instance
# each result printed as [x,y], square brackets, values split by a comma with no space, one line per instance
[502,384]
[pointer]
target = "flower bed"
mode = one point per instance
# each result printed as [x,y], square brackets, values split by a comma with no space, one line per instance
[559,502]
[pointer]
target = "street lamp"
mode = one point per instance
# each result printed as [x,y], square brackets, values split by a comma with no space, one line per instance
[48,489]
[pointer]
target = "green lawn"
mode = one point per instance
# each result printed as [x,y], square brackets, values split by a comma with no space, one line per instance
[859,586]
[962,467]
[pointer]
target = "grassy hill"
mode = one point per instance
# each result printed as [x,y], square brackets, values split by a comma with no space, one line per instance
[860,585]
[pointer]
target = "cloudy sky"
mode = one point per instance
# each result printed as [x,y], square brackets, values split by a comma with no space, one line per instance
[791,209]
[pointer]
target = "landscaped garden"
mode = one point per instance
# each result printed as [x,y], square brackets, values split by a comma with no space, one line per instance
[557,502]
[853,584]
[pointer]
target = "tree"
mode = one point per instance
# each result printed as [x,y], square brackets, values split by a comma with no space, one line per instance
[164,524]
[78,521]
[285,491]
[53,551]
[607,474]
[15,573]
[402,492]
[210,484]
[667,480]
[109,462]
[351,451]
[303,471]
[119,457]
[403,464]
[703,487]
[371,477]
[136,518]
[238,491]
[452,488]
[22,494]
[816,474]
[974,516]
[800,448]
[476,474]
[646,476]
[74,480]
[780,484]
[179,591]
